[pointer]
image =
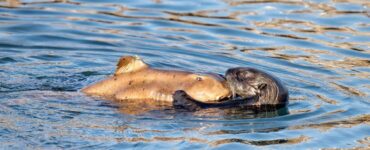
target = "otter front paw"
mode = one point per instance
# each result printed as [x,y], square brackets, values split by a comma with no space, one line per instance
[181,100]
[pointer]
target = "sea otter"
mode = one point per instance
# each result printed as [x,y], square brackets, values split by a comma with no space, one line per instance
[134,79]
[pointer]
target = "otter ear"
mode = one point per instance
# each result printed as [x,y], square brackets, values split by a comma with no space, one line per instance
[123,64]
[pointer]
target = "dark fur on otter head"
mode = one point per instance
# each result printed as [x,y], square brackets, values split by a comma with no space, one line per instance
[250,82]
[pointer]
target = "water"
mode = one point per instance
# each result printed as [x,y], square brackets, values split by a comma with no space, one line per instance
[51,49]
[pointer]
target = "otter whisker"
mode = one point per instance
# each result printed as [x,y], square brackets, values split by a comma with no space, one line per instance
[233,93]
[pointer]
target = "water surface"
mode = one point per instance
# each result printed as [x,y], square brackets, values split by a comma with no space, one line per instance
[51,49]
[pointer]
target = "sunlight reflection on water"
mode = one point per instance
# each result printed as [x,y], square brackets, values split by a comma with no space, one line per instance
[50,49]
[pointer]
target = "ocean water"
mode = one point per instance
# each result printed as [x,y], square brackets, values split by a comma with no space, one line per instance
[49,49]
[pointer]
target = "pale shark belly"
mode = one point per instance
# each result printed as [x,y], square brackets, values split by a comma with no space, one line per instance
[151,91]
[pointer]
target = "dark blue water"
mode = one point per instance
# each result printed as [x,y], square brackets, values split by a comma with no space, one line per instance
[51,49]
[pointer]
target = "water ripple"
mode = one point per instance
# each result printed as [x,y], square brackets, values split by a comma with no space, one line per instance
[50,49]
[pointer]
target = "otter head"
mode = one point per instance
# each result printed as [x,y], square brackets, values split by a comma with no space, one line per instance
[263,87]
[129,64]
[207,87]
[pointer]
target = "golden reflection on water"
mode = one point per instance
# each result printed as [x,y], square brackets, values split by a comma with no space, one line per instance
[216,143]
[347,89]
[163,139]
[326,126]
[330,55]
[18,3]
[285,24]
[365,142]
[327,100]
[137,107]
[347,63]
[13,3]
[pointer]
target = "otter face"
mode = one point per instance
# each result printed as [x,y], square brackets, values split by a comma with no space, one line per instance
[208,87]
[250,82]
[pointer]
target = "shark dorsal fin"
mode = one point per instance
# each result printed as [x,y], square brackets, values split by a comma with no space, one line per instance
[128,64]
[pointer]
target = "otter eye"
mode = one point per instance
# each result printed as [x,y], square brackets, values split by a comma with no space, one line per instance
[199,79]
[262,86]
